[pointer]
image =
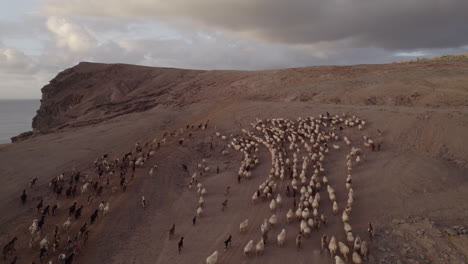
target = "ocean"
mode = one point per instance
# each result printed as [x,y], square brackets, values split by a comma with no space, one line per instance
[16,117]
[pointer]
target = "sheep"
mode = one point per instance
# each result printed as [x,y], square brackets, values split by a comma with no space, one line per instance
[254,198]
[272,205]
[260,247]
[273,220]
[332,247]
[338,260]
[213,258]
[323,218]
[279,200]
[35,239]
[101,206]
[305,214]
[344,217]
[356,258]
[264,226]
[335,207]
[106,209]
[298,240]
[199,211]
[67,224]
[201,201]
[248,248]
[152,170]
[84,188]
[357,244]
[244,225]
[323,243]
[364,250]
[281,237]
[290,216]
[344,250]
[350,238]
[307,231]
[347,227]
[34,227]
[61,258]
[44,243]
[298,213]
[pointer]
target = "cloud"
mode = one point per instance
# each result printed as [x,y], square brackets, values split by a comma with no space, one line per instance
[392,25]
[70,35]
[13,61]
[223,34]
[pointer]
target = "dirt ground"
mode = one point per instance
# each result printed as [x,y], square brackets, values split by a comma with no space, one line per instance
[414,190]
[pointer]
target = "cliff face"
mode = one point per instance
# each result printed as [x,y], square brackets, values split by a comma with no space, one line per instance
[91,92]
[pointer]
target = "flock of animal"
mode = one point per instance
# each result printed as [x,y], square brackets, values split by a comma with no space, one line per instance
[304,142]
[289,142]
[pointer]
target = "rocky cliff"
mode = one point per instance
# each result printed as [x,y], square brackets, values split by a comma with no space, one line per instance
[89,93]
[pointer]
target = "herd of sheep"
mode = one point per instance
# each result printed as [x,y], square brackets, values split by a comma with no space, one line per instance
[298,150]
[297,178]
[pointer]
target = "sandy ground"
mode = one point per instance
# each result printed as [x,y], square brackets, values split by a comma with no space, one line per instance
[412,190]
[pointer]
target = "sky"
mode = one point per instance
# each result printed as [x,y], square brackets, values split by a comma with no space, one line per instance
[40,38]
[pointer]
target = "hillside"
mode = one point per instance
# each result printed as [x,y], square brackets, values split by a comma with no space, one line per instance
[411,189]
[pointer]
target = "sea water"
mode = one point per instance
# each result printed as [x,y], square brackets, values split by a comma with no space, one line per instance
[16,117]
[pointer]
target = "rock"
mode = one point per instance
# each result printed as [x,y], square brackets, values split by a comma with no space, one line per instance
[451,232]
[397,221]
[21,137]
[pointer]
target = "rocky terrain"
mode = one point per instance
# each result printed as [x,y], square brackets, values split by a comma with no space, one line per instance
[413,190]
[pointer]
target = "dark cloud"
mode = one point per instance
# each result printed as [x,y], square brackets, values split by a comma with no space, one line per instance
[393,25]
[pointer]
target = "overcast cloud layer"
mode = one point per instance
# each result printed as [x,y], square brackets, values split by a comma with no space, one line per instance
[38,41]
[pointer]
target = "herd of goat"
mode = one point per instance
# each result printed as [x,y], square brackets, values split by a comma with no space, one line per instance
[298,150]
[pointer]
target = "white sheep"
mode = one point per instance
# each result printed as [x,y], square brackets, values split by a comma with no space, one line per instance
[281,237]
[272,205]
[34,227]
[279,200]
[244,225]
[213,258]
[273,220]
[344,250]
[347,227]
[199,211]
[332,246]
[364,250]
[61,258]
[67,224]
[264,226]
[338,260]
[350,238]
[344,217]
[290,216]
[356,258]
[307,231]
[260,247]
[248,248]
[201,201]
[44,242]
[357,244]
[84,188]
[254,197]
[335,208]
[106,209]
[305,214]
